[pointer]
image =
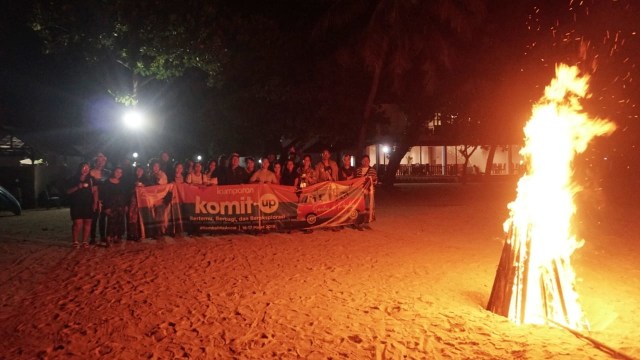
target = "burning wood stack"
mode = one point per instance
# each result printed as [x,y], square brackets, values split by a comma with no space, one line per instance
[535,281]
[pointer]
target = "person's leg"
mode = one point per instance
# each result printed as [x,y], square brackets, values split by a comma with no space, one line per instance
[86,229]
[94,223]
[103,225]
[76,225]
[108,238]
[119,222]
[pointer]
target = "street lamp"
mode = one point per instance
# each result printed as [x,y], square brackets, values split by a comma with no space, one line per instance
[133,119]
[385,150]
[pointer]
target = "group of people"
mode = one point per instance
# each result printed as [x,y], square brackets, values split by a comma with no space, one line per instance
[104,201]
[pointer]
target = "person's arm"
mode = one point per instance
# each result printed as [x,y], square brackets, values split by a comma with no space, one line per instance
[334,171]
[374,175]
[254,177]
[74,188]
[318,171]
[312,177]
[162,179]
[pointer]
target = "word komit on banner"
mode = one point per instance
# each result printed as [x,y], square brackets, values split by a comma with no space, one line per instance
[268,203]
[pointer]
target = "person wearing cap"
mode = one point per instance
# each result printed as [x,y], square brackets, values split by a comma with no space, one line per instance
[236,174]
[100,174]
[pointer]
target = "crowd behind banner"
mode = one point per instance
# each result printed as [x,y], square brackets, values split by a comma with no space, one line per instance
[166,198]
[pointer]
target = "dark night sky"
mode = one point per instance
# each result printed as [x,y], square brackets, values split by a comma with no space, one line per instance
[56,95]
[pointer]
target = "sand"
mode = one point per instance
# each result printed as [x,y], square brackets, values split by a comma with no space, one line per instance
[415,286]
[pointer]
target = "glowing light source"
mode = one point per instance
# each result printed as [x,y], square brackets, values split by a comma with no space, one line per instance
[385,149]
[540,242]
[199,157]
[133,119]
[135,155]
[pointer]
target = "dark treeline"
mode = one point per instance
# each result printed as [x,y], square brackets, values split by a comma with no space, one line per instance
[258,77]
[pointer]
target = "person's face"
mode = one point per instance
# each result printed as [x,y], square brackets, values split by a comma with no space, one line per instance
[179,169]
[277,168]
[212,166]
[101,161]
[117,173]
[290,165]
[250,164]
[155,168]
[306,161]
[164,157]
[235,161]
[265,163]
[365,162]
[347,160]
[139,172]
[326,155]
[197,167]
[85,169]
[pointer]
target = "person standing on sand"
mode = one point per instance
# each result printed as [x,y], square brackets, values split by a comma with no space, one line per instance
[83,202]
[133,218]
[100,174]
[114,201]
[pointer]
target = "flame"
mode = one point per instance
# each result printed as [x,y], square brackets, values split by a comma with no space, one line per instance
[540,217]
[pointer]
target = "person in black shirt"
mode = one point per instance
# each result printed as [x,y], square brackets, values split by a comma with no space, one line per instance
[290,176]
[346,172]
[236,174]
[114,195]
[83,201]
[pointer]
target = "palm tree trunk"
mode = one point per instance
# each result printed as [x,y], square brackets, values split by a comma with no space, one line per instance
[391,169]
[371,97]
[489,166]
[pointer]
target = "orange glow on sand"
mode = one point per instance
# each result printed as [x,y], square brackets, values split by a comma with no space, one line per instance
[539,226]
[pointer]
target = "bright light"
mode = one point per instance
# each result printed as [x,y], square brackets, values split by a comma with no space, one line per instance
[135,155]
[133,119]
[540,224]
[199,157]
[385,149]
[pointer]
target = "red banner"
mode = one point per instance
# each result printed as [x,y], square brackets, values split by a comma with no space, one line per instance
[177,208]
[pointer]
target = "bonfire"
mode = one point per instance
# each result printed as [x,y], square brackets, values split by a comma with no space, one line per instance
[535,282]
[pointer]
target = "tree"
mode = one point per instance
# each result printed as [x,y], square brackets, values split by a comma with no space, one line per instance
[148,39]
[405,47]
[395,41]
[466,151]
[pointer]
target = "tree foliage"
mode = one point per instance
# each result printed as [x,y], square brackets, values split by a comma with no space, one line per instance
[408,48]
[151,39]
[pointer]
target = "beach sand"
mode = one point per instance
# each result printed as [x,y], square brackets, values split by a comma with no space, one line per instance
[415,286]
